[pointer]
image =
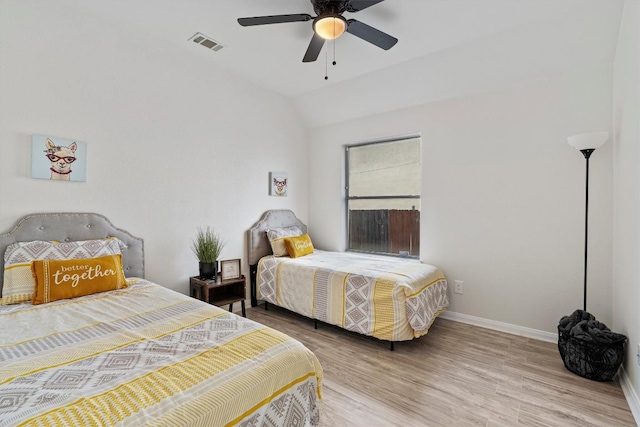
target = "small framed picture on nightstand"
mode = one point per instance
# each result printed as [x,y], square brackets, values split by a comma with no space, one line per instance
[230,269]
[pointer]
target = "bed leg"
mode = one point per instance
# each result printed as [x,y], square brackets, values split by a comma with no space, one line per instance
[266,306]
[253,272]
[315,324]
[391,347]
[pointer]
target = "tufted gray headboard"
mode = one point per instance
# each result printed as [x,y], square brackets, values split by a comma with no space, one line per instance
[259,245]
[71,226]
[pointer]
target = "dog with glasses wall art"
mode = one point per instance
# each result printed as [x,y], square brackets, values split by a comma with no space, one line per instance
[63,159]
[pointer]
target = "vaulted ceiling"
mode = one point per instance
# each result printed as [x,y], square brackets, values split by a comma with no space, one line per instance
[446,47]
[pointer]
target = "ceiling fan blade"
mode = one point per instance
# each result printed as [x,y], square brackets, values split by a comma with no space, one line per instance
[315,46]
[275,19]
[370,34]
[358,5]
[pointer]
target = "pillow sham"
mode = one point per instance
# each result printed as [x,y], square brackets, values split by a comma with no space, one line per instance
[72,278]
[276,238]
[18,281]
[299,245]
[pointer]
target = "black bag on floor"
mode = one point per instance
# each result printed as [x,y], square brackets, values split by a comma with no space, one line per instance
[589,348]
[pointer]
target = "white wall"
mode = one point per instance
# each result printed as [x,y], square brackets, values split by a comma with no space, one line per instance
[503,194]
[626,273]
[173,143]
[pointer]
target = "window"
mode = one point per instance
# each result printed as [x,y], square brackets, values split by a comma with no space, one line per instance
[383,196]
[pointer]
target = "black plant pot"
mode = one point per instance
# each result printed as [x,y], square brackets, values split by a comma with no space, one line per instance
[208,270]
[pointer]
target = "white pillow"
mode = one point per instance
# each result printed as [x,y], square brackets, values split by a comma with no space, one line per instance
[276,238]
[19,284]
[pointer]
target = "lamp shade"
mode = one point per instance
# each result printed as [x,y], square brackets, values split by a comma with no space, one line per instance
[330,27]
[588,141]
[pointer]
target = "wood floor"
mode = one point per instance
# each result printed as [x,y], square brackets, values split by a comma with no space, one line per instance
[456,375]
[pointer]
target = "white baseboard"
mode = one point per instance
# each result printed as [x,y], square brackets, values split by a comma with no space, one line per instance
[630,394]
[501,326]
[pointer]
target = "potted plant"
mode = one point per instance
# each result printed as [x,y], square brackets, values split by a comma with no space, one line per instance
[207,247]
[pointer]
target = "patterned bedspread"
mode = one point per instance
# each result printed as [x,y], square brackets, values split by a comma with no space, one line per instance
[391,299]
[149,356]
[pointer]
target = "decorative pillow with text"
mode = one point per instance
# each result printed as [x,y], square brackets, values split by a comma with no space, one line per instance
[18,282]
[72,278]
[276,238]
[298,246]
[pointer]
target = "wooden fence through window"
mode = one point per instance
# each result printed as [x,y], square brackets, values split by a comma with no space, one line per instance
[385,230]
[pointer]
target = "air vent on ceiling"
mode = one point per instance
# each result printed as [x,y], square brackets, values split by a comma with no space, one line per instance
[207,42]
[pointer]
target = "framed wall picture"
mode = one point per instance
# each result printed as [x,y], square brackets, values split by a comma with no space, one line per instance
[58,159]
[230,269]
[278,182]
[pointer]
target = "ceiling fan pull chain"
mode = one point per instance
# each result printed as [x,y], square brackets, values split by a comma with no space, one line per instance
[334,43]
[326,61]
[334,52]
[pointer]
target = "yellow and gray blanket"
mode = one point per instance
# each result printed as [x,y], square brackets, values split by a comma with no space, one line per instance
[391,299]
[149,356]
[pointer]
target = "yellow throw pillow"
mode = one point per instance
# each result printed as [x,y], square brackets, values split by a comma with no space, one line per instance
[19,282]
[299,246]
[72,278]
[276,237]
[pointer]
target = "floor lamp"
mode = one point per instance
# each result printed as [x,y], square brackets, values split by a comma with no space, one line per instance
[587,144]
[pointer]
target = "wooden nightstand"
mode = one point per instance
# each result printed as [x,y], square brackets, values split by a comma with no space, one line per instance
[219,293]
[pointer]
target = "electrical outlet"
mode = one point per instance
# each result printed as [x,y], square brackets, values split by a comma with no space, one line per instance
[459,287]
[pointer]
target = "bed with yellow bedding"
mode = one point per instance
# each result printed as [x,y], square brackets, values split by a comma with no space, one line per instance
[392,299]
[144,355]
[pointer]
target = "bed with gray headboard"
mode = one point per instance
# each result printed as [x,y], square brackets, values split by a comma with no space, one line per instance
[73,226]
[259,245]
[389,298]
[137,353]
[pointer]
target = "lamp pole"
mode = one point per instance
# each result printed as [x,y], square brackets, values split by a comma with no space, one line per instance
[587,154]
[587,143]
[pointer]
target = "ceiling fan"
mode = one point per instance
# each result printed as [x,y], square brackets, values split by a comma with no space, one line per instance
[329,24]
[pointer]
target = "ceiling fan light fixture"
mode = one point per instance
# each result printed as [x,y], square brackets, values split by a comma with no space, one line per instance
[330,27]
[328,24]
